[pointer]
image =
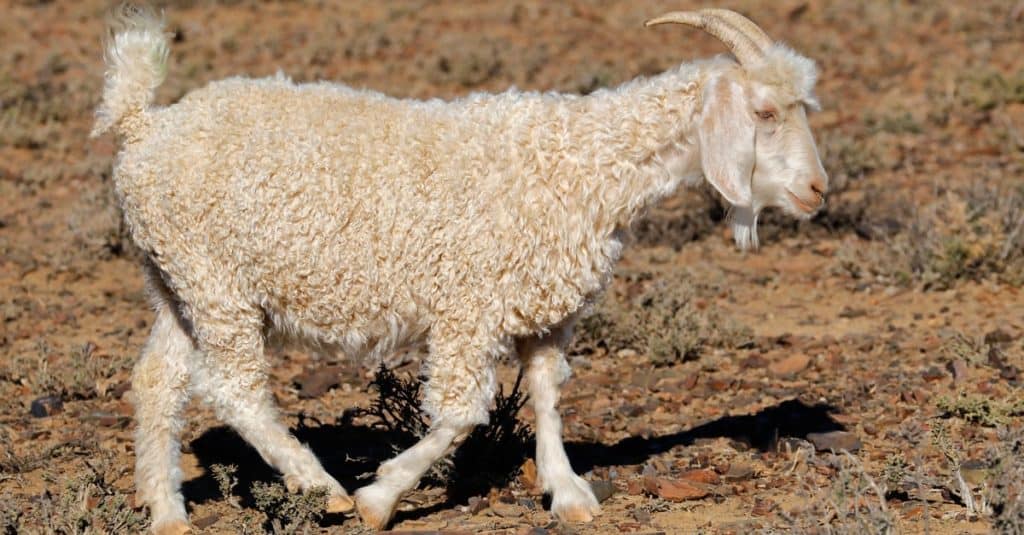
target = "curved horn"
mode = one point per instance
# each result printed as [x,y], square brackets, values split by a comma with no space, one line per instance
[744,25]
[742,46]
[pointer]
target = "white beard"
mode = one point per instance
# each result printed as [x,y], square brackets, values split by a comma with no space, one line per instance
[744,227]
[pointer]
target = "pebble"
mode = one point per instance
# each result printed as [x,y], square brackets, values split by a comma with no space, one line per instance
[701,475]
[677,490]
[603,489]
[507,510]
[790,365]
[739,472]
[206,521]
[315,382]
[835,441]
[46,406]
[642,515]
[959,370]
[477,504]
[528,474]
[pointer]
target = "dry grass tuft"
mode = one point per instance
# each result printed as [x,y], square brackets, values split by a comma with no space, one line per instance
[666,320]
[852,503]
[488,457]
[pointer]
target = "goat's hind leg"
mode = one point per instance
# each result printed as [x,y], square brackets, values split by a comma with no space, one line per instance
[546,369]
[231,375]
[160,388]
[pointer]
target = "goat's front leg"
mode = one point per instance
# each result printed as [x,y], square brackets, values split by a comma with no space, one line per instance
[460,387]
[546,370]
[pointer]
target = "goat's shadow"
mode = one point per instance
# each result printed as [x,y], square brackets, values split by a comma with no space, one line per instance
[352,452]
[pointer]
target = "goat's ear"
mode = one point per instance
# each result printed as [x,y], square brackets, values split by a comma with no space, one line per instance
[726,137]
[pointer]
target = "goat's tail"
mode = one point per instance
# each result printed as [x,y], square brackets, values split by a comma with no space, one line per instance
[135,50]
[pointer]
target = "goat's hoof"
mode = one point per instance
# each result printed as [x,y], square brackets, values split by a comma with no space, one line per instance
[578,513]
[340,503]
[174,527]
[367,505]
[293,484]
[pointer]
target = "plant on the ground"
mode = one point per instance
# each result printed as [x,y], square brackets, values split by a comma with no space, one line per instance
[666,320]
[851,503]
[289,513]
[488,457]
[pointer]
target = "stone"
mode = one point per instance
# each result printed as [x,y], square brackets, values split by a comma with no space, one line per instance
[701,475]
[603,489]
[835,441]
[315,382]
[46,406]
[678,490]
[790,365]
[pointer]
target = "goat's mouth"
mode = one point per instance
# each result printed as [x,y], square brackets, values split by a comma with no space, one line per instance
[804,206]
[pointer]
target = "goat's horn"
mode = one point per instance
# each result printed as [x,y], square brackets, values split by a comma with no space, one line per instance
[743,24]
[741,45]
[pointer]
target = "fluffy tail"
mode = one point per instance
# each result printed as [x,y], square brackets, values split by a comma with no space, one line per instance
[135,51]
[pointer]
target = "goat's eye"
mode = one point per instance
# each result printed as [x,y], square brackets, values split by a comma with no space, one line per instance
[766,115]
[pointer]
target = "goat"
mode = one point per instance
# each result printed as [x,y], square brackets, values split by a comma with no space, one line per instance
[483,226]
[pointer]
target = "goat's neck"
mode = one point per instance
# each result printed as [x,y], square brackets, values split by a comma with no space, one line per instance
[640,139]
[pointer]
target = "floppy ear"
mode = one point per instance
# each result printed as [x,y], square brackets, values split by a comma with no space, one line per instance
[726,137]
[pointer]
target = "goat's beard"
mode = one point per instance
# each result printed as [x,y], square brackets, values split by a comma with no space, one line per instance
[744,227]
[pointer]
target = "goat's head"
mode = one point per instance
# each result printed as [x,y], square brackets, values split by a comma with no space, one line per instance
[755,145]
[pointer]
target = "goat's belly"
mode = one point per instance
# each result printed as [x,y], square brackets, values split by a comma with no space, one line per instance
[369,339]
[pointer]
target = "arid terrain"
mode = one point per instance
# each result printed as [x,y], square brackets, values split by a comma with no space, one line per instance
[860,373]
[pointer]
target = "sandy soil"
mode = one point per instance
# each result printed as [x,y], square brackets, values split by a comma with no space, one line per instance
[892,322]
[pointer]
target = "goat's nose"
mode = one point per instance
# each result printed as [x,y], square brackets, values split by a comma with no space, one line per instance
[818,187]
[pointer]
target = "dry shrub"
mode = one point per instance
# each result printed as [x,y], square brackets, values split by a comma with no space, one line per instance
[852,503]
[666,319]
[77,373]
[86,502]
[97,227]
[487,458]
[289,513]
[980,409]
[1005,494]
[974,235]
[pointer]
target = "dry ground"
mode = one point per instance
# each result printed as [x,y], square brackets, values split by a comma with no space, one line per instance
[892,322]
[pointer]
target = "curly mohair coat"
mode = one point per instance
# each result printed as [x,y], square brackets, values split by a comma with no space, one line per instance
[362,222]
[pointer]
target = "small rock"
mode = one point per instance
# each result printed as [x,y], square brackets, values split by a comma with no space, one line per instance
[642,516]
[719,384]
[790,365]
[315,382]
[739,472]
[701,475]
[46,406]
[650,479]
[477,504]
[507,510]
[959,370]
[533,531]
[755,360]
[850,312]
[932,374]
[998,336]
[528,474]
[677,490]
[835,441]
[763,507]
[634,487]
[206,521]
[603,489]
[107,419]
